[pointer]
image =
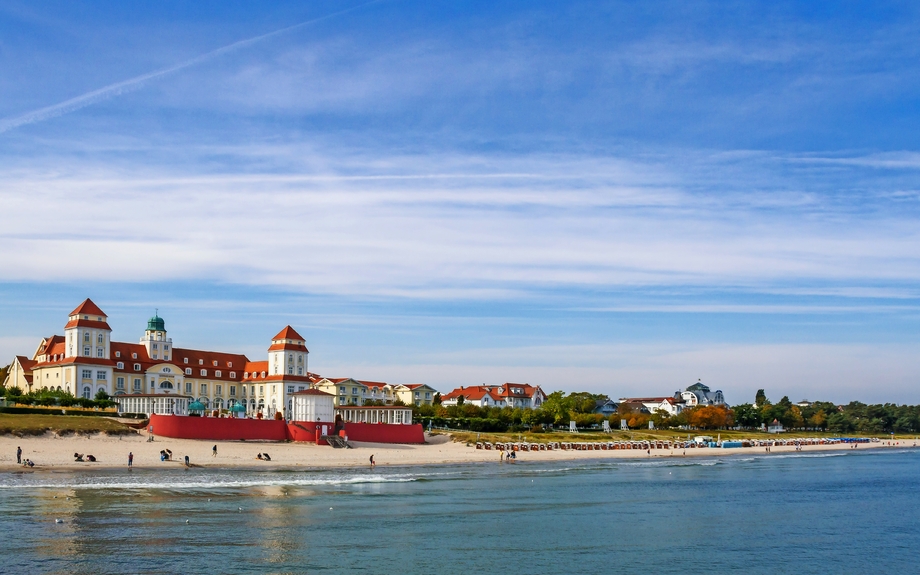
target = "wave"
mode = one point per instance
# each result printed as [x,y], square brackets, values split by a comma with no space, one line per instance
[212,483]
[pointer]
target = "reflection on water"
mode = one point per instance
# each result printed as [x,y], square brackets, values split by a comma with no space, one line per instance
[706,515]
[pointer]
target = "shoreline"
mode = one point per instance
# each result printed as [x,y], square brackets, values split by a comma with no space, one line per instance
[55,454]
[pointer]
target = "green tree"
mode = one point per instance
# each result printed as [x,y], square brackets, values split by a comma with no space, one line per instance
[746,415]
[760,399]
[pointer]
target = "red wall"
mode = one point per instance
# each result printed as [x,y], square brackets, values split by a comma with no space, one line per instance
[227,429]
[382,433]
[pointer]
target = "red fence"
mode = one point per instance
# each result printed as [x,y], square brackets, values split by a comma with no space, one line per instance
[383,433]
[228,429]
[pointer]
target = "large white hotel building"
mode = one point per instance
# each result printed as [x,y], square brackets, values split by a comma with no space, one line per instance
[85,360]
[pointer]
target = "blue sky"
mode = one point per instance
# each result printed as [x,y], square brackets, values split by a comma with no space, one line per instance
[614,197]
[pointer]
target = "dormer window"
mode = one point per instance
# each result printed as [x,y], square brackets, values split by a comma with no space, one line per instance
[204,373]
[133,356]
[120,365]
[263,374]
[230,364]
[185,360]
[232,375]
[215,363]
[217,373]
[117,354]
[245,375]
[200,362]
[137,367]
[188,371]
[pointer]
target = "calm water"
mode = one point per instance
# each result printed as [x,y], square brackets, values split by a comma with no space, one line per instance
[803,513]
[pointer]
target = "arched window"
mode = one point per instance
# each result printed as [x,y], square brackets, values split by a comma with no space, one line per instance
[100,339]
[218,404]
[166,385]
[86,392]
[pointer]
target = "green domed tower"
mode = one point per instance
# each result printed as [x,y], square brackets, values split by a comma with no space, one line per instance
[159,346]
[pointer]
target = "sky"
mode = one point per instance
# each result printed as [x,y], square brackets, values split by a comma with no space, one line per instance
[616,197]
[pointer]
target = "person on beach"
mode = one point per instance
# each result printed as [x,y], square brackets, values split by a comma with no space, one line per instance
[78,457]
[372,460]
[266,457]
[501,457]
[19,455]
[91,458]
[130,459]
[187,464]
[259,457]
[214,451]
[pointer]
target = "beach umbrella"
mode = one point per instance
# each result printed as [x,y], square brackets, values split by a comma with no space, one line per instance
[196,406]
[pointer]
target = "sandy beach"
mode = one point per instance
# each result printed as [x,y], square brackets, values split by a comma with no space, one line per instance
[53,453]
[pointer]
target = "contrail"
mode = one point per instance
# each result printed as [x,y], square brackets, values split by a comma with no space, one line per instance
[119,88]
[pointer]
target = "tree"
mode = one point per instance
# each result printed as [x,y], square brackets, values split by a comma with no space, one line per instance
[460,400]
[760,399]
[746,415]
[101,395]
[437,398]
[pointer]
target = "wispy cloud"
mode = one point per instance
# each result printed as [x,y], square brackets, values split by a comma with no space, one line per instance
[119,88]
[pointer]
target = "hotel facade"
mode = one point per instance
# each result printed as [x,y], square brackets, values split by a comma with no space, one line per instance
[86,360]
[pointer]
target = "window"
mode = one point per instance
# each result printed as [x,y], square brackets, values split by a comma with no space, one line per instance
[87,374]
[188,371]
[100,340]
[137,384]
[217,373]
[188,387]
[214,362]
[133,356]
[261,390]
[342,389]
[218,389]
[341,401]
[100,375]
[291,389]
[243,390]
[98,352]
[166,357]
[137,367]
[245,375]
[232,390]
[167,370]
[263,374]
[165,347]
[200,362]
[120,365]
[86,351]
[416,394]
[299,371]
[354,391]
[291,357]
[204,372]
[154,356]
[290,370]
[300,388]
[427,395]
[185,360]
[230,364]
[232,375]
[204,389]
[120,383]
[86,392]
[86,337]
[155,346]
[117,354]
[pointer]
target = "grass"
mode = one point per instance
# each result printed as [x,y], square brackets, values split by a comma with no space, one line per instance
[672,435]
[34,424]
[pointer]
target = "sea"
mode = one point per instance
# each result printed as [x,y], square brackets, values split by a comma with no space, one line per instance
[801,513]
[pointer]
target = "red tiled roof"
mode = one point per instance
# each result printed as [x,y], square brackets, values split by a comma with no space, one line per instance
[473,393]
[87,308]
[87,323]
[288,333]
[288,346]
[52,345]
[25,362]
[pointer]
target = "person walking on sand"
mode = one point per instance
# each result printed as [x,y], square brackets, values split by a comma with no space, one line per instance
[187,464]
[372,460]
[214,451]
[18,455]
[130,459]
[501,457]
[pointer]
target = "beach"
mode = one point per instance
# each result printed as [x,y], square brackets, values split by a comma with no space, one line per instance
[53,453]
